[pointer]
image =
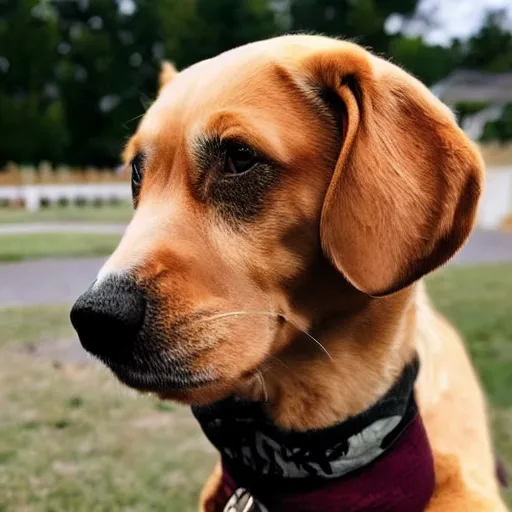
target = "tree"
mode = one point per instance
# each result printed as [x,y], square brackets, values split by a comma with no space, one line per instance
[75,75]
[490,49]
[32,119]
[194,30]
[108,62]
[362,20]
[500,130]
[429,63]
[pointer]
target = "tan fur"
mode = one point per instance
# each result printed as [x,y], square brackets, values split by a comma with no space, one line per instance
[374,192]
[167,73]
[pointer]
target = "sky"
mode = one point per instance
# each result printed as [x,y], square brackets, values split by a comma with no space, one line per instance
[453,18]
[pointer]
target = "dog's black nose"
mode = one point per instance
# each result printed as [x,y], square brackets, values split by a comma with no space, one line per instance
[108,317]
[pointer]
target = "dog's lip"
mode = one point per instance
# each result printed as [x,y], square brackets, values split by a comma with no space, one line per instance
[160,382]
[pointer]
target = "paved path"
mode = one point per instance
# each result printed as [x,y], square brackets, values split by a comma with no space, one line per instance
[486,247]
[61,281]
[62,227]
[46,281]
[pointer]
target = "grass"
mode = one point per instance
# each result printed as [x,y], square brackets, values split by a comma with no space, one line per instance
[71,438]
[119,212]
[479,303]
[21,327]
[21,247]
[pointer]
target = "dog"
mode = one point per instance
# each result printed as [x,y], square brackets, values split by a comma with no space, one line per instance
[289,197]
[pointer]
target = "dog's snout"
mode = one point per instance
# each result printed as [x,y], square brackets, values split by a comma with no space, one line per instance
[109,316]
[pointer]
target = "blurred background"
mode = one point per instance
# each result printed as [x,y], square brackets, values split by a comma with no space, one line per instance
[75,77]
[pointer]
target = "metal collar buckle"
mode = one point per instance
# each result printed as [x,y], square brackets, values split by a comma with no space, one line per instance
[242,501]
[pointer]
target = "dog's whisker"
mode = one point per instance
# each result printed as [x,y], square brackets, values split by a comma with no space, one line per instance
[308,335]
[263,313]
[318,343]
[134,119]
[263,384]
[279,361]
[236,313]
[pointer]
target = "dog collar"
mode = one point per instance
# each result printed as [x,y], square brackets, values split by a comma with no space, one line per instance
[265,461]
[248,441]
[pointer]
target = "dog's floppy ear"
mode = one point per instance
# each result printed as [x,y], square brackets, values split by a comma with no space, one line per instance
[404,192]
[167,73]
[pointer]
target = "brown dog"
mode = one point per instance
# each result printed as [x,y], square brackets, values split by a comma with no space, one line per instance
[289,196]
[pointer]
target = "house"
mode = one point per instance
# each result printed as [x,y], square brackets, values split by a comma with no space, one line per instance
[495,90]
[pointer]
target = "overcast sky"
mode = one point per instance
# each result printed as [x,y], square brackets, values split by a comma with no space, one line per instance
[454,18]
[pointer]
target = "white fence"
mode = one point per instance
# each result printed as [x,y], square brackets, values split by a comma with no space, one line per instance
[30,188]
[496,203]
[33,196]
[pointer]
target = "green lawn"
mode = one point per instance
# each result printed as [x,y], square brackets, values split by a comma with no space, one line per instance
[478,301]
[73,439]
[55,245]
[119,212]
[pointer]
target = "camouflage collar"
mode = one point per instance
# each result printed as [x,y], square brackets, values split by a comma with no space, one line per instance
[253,447]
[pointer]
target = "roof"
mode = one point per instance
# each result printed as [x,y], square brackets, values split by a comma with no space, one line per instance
[468,85]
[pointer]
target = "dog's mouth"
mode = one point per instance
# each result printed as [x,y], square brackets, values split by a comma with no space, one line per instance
[176,381]
[159,378]
[161,382]
[191,360]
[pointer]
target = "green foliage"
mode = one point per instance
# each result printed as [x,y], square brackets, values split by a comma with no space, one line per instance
[32,121]
[500,130]
[429,63]
[362,20]
[194,30]
[31,131]
[490,49]
[467,109]
[107,65]
[76,75]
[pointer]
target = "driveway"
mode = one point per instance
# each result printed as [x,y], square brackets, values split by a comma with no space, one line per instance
[486,247]
[46,281]
[61,281]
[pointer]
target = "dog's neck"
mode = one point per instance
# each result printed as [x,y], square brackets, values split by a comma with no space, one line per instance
[365,344]
[379,459]
[308,397]
[244,434]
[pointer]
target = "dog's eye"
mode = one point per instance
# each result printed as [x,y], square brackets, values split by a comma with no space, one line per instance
[137,165]
[239,158]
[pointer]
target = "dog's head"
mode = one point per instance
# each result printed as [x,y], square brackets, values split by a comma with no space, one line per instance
[262,179]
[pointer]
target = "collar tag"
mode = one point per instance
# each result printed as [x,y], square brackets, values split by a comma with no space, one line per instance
[242,501]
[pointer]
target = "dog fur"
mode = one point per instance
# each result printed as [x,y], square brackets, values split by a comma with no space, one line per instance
[368,184]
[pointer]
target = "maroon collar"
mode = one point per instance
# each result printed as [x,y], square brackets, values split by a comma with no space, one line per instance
[379,459]
[400,479]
